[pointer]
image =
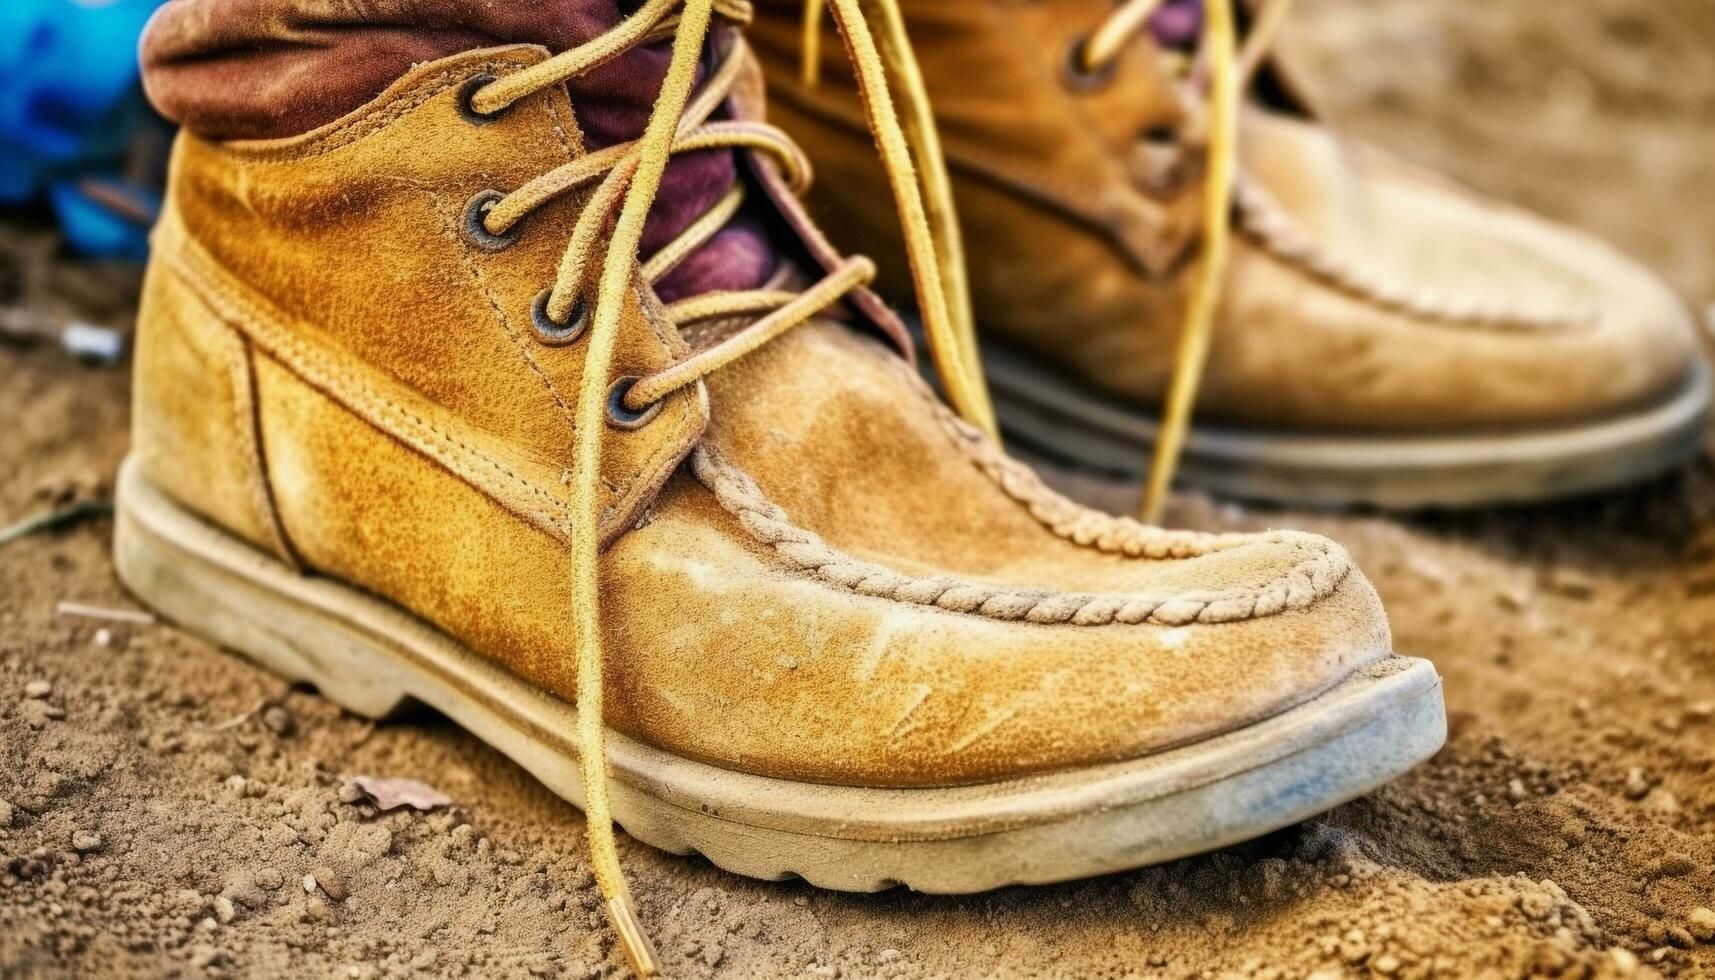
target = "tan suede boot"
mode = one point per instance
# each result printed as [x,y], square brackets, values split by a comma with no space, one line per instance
[1381,336]
[395,439]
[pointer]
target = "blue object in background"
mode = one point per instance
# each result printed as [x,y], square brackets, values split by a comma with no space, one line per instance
[70,105]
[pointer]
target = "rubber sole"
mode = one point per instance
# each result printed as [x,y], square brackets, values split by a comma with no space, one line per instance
[374,659]
[1052,417]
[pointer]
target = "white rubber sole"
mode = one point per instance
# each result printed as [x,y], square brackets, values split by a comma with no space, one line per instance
[1052,417]
[373,658]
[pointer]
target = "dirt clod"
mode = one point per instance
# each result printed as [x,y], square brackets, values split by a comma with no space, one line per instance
[324,878]
[1700,922]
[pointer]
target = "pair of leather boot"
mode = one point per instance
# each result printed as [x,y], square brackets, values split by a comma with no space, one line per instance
[515,379]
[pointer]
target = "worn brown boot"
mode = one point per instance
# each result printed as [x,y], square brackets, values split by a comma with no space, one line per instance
[723,569]
[1380,335]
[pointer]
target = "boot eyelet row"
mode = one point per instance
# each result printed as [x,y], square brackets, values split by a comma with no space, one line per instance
[619,415]
[551,331]
[468,91]
[476,233]
[1077,78]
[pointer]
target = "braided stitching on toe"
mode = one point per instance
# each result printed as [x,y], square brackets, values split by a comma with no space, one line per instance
[804,550]
[1265,221]
[1081,525]
[1105,532]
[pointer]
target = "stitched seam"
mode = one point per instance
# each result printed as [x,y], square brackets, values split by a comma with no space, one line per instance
[1082,525]
[655,469]
[1122,535]
[373,121]
[994,171]
[308,363]
[801,548]
[553,108]
[1267,223]
[506,325]
[249,422]
[1107,533]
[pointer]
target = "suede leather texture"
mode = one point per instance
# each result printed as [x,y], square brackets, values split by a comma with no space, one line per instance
[267,69]
[813,571]
[1079,201]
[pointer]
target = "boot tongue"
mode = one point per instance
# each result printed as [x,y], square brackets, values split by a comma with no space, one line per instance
[613,104]
[261,69]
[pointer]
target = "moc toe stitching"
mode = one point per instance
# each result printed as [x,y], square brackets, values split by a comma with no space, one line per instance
[1266,223]
[1316,577]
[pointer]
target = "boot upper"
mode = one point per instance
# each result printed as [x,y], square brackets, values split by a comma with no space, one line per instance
[1362,293]
[812,569]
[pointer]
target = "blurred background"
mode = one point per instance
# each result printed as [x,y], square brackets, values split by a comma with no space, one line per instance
[1600,113]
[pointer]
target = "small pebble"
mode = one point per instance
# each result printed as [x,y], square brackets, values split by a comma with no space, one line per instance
[1513,596]
[1569,583]
[104,637]
[327,881]
[37,713]
[1700,922]
[38,689]
[85,841]
[1676,936]
[1661,801]
[279,720]
[1637,784]
[1673,866]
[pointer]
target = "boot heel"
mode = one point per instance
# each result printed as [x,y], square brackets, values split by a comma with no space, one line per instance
[206,581]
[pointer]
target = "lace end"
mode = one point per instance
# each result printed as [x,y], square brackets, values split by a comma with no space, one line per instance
[638,950]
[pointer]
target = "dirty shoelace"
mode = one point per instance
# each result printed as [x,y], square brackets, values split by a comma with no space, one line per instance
[1228,72]
[629,176]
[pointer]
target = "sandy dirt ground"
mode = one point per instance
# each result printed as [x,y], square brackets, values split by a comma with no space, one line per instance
[167,810]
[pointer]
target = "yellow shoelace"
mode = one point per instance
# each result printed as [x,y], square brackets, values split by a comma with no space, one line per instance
[629,178]
[1229,73]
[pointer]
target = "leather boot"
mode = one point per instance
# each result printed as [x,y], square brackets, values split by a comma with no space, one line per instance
[1374,333]
[413,424]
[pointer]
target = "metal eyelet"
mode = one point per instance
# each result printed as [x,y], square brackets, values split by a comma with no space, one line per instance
[1160,134]
[468,91]
[621,417]
[477,233]
[551,331]
[1080,79]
